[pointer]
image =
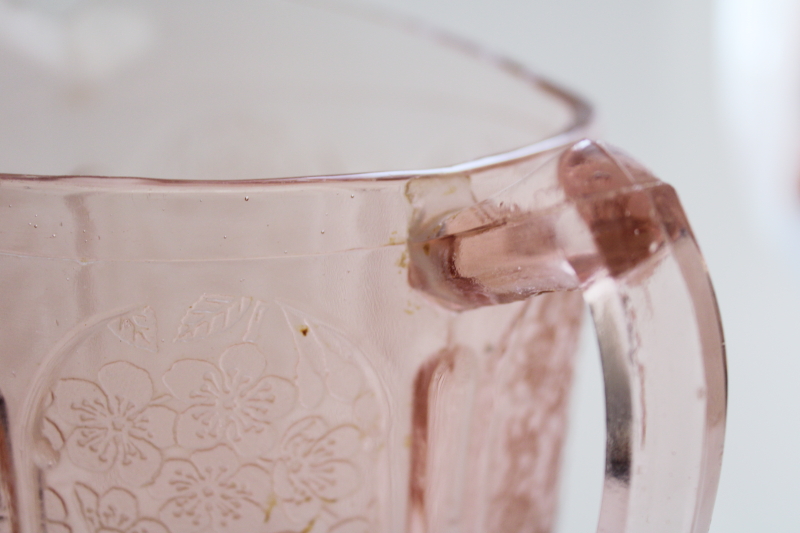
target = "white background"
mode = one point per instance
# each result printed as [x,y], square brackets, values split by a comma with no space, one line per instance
[703,94]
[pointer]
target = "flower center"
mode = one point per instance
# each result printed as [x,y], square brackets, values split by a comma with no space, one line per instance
[118,423]
[229,403]
[208,492]
[229,400]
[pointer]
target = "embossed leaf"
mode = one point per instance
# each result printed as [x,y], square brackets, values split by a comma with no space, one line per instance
[211,314]
[137,328]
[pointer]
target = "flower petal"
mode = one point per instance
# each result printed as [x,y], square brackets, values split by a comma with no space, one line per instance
[301,510]
[147,525]
[303,434]
[138,461]
[157,425]
[80,403]
[339,443]
[178,478]
[117,509]
[128,387]
[185,515]
[254,442]
[271,398]
[88,502]
[58,527]
[54,507]
[193,381]
[351,525]
[333,480]
[252,483]
[219,463]
[237,516]
[282,483]
[92,448]
[368,413]
[200,426]
[242,364]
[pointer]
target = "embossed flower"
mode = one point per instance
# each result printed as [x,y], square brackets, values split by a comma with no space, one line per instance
[211,491]
[114,423]
[315,467]
[116,511]
[233,403]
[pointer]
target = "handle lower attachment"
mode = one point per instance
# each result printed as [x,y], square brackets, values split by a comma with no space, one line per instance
[593,219]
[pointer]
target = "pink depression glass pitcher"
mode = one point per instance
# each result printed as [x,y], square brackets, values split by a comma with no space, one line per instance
[195,342]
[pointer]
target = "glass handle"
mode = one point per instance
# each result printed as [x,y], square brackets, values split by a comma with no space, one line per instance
[661,346]
[593,219]
[665,387]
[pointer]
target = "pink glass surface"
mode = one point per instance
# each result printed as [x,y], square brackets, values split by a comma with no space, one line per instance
[232,304]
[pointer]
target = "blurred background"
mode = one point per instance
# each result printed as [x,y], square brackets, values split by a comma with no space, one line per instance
[707,94]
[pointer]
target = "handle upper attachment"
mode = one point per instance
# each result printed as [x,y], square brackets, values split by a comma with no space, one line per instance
[593,219]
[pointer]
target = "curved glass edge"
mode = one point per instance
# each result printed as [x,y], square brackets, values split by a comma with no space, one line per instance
[582,116]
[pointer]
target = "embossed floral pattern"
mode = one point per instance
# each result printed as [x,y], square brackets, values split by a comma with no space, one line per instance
[137,328]
[352,525]
[314,467]
[115,425]
[116,511]
[212,491]
[55,512]
[234,403]
[221,431]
